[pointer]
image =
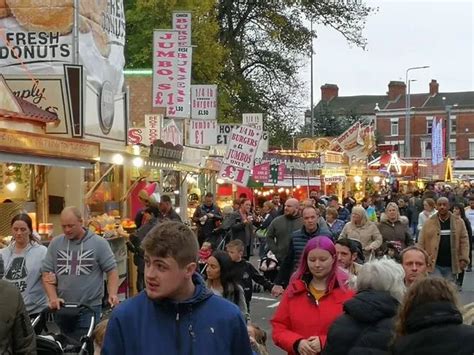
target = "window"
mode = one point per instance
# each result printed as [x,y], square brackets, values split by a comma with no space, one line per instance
[429,125]
[471,150]
[394,126]
[401,149]
[453,124]
[425,149]
[452,148]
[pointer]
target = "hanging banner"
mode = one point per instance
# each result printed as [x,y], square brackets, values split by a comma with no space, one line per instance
[183,87]
[204,102]
[262,146]
[242,147]
[182,24]
[203,132]
[437,151]
[172,133]
[37,38]
[165,70]
[236,175]
[253,120]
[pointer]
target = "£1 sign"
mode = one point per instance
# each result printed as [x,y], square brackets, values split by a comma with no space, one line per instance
[236,175]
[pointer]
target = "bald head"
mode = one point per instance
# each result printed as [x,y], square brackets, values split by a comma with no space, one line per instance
[291,207]
[71,222]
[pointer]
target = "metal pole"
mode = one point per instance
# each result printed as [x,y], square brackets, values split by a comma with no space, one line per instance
[312,82]
[407,112]
[75,34]
[407,117]
[448,132]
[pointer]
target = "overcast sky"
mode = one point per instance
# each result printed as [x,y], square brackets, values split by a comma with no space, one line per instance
[403,34]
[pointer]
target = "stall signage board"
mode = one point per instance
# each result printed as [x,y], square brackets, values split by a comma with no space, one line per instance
[183,86]
[242,147]
[148,134]
[204,102]
[236,175]
[334,179]
[48,146]
[261,172]
[223,133]
[165,69]
[161,150]
[253,120]
[182,24]
[203,132]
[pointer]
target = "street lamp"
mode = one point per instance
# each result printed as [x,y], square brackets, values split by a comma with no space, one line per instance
[407,111]
[312,104]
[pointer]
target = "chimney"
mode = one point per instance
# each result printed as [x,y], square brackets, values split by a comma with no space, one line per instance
[395,89]
[434,87]
[329,92]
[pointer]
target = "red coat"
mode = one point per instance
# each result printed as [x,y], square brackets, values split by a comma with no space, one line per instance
[301,316]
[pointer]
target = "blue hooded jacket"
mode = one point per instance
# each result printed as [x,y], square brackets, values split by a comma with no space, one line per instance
[204,324]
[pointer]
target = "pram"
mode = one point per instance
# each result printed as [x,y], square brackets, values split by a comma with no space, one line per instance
[223,240]
[269,266]
[60,344]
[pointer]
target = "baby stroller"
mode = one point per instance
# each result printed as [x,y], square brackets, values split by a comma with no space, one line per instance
[269,266]
[60,344]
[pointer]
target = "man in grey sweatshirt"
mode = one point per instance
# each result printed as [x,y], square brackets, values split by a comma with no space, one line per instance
[79,259]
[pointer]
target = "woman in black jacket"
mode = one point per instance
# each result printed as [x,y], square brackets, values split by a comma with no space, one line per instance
[429,321]
[367,325]
[458,210]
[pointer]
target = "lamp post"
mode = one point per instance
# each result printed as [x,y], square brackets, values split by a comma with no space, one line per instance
[407,111]
[311,103]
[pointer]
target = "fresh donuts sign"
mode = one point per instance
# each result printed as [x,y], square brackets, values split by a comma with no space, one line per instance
[36,36]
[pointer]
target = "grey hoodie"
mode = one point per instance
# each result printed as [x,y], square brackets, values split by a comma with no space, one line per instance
[24,271]
[79,266]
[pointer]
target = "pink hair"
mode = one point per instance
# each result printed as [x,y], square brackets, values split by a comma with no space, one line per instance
[336,278]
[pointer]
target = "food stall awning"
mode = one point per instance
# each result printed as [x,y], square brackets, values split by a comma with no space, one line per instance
[34,160]
[42,149]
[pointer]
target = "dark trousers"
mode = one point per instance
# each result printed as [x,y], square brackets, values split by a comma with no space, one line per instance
[77,326]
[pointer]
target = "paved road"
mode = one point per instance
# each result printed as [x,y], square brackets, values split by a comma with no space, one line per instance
[263,306]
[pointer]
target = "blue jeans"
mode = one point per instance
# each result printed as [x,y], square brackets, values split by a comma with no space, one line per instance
[76,327]
[445,272]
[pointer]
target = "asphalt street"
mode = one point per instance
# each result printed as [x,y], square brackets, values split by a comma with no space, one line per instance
[264,305]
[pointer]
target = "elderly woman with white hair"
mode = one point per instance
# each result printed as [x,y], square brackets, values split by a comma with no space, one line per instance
[363,231]
[367,325]
[393,228]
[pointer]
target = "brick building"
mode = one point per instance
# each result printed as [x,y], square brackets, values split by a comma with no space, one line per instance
[388,113]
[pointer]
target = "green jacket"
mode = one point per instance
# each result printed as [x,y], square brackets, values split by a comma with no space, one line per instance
[279,234]
[16,333]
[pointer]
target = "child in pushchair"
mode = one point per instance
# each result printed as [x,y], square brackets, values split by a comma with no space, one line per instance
[269,266]
[57,343]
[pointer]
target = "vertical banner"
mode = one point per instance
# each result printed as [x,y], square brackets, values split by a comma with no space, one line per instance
[183,87]
[204,102]
[203,132]
[165,70]
[253,120]
[182,24]
[153,126]
[437,142]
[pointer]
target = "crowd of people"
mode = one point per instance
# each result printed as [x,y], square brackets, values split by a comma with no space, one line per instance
[376,277]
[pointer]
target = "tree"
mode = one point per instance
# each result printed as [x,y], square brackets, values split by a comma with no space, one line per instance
[268,44]
[327,123]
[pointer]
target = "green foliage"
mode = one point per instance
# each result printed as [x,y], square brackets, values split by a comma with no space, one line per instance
[327,123]
[253,50]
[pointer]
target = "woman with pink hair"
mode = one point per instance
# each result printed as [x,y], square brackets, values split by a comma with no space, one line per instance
[312,301]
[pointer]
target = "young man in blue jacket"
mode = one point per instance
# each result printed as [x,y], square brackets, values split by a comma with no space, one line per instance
[176,314]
